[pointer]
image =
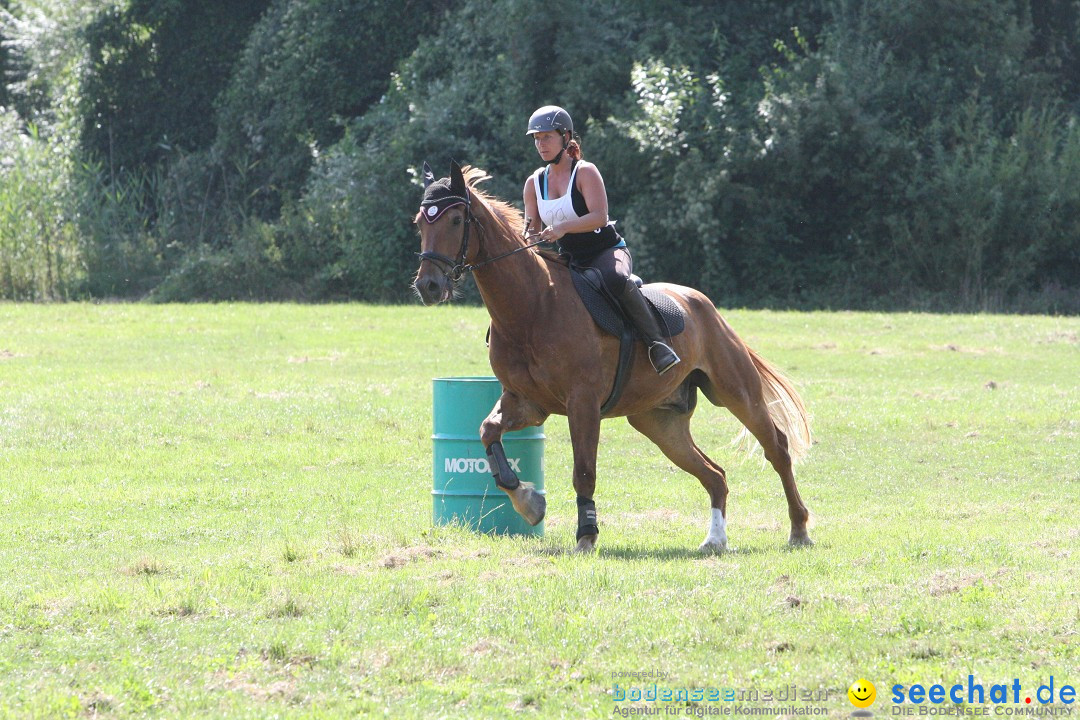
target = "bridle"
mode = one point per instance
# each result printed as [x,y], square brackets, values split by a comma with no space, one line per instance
[455,268]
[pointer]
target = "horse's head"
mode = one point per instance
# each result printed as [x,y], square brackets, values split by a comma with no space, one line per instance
[444,222]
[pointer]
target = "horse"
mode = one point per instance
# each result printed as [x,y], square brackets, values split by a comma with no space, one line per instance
[551,358]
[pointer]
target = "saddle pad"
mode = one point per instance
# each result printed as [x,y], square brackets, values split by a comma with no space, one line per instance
[605,312]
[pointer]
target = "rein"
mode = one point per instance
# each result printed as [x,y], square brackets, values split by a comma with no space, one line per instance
[454,269]
[526,246]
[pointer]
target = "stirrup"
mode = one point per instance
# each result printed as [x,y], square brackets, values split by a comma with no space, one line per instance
[664,358]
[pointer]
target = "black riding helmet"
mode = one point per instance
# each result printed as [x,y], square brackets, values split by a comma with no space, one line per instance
[553,117]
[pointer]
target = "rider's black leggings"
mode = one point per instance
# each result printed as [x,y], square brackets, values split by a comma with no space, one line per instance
[615,265]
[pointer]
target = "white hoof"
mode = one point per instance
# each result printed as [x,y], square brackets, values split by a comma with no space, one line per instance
[710,547]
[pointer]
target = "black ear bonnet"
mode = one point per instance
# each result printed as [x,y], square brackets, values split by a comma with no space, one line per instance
[443,194]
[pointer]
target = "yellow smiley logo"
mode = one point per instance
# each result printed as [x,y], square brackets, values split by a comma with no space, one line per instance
[862,693]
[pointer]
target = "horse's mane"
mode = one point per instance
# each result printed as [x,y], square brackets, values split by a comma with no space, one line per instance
[508,217]
[504,213]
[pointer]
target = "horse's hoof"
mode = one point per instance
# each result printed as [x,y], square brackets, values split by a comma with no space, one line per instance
[529,504]
[712,548]
[800,540]
[587,544]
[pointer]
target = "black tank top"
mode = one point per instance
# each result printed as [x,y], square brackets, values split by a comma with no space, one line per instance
[583,246]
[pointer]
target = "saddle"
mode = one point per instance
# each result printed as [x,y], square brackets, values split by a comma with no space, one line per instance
[608,315]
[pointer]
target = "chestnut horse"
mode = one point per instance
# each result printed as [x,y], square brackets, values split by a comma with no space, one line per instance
[551,358]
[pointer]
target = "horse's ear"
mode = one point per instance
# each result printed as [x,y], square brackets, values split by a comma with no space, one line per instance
[429,177]
[457,180]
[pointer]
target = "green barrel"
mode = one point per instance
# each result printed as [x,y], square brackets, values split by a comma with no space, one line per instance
[464,489]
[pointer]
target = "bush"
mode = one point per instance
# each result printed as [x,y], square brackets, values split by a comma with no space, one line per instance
[995,208]
[39,248]
[124,253]
[251,268]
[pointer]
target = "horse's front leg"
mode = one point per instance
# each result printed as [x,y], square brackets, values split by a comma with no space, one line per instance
[584,422]
[509,414]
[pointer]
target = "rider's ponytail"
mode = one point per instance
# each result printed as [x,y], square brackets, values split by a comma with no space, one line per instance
[573,149]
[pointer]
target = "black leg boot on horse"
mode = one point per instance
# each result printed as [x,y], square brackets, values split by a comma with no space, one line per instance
[508,415]
[528,503]
[637,308]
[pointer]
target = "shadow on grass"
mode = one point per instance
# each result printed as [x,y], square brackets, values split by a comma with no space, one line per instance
[634,552]
[562,546]
[630,552]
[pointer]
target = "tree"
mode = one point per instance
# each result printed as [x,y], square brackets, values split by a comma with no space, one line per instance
[155,68]
[306,69]
[5,68]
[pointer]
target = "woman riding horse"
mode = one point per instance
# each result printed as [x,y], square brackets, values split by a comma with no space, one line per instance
[569,198]
[551,358]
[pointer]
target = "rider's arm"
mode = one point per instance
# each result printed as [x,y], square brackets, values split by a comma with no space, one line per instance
[532,212]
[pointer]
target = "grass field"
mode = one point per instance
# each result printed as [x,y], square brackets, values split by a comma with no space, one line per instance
[225,511]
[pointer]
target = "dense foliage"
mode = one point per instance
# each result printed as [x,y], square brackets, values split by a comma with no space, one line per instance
[831,153]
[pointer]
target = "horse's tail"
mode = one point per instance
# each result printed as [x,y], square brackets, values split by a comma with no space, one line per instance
[786,408]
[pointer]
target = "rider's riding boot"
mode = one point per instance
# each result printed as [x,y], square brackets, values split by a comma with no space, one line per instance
[662,357]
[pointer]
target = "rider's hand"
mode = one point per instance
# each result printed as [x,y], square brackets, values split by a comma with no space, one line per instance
[550,234]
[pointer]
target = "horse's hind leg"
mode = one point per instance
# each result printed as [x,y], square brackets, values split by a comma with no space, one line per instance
[670,430]
[509,414]
[775,446]
[754,415]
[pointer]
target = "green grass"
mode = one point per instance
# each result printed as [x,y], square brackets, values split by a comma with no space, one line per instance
[225,511]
